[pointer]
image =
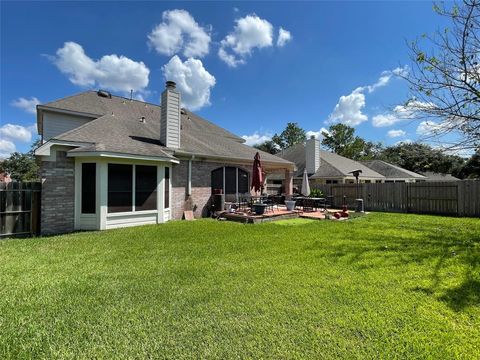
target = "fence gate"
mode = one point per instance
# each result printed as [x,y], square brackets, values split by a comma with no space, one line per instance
[20,208]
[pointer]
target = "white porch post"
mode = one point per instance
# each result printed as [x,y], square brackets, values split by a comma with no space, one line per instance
[160,194]
[102,186]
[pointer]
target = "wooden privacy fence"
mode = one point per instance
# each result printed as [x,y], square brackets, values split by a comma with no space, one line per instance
[20,208]
[457,198]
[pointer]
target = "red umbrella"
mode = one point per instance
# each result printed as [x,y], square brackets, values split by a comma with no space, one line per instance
[257,174]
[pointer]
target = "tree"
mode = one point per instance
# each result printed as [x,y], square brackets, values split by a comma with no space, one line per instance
[292,135]
[22,166]
[445,80]
[341,139]
[420,158]
[268,146]
[471,170]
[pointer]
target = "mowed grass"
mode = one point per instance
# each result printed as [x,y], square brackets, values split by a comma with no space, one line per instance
[380,286]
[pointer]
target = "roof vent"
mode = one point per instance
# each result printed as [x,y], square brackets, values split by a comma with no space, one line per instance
[104,93]
[183,111]
[142,119]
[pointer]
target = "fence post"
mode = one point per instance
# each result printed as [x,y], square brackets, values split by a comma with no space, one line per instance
[460,198]
[407,197]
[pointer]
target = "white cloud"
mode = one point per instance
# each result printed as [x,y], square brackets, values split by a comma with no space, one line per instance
[284,36]
[28,105]
[179,32]
[428,128]
[385,78]
[400,113]
[6,148]
[401,71]
[113,72]
[256,138]
[17,132]
[250,32]
[382,120]
[229,59]
[349,109]
[317,134]
[193,81]
[405,141]
[396,133]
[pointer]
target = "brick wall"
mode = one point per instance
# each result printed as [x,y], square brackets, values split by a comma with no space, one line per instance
[201,187]
[58,194]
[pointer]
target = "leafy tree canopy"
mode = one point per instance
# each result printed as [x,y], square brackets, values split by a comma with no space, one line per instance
[268,146]
[292,135]
[445,77]
[419,158]
[341,139]
[22,166]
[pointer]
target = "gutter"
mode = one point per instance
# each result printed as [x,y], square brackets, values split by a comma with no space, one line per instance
[279,165]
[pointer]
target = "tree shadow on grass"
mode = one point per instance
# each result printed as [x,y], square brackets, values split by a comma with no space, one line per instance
[433,250]
[465,295]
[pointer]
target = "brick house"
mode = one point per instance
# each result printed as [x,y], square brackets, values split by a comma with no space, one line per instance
[107,162]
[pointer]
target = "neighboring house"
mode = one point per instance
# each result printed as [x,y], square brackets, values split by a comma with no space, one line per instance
[432,176]
[393,173]
[323,167]
[109,162]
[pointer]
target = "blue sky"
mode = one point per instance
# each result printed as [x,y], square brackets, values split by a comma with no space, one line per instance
[334,61]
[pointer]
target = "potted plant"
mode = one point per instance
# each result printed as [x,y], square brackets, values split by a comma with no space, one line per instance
[259,208]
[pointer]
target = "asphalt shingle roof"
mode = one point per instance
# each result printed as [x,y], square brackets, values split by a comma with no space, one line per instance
[331,165]
[119,129]
[432,176]
[391,171]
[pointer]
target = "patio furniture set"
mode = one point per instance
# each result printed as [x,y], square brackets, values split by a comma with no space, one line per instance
[268,203]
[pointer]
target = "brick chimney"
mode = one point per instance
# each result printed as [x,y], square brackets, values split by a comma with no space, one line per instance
[312,155]
[170,116]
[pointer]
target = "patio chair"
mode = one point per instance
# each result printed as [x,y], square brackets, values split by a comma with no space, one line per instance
[308,205]
[270,202]
[244,201]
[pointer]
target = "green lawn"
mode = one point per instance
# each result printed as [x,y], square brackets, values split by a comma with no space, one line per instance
[380,286]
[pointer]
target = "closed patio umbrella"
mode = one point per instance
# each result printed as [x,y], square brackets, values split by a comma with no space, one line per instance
[257,174]
[305,184]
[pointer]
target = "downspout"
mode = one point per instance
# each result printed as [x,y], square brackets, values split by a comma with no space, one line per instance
[189,183]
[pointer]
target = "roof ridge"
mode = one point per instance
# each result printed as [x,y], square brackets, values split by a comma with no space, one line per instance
[140,101]
[68,97]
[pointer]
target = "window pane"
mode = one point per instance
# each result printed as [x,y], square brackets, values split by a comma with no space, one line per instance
[88,188]
[145,187]
[217,179]
[167,188]
[243,181]
[119,188]
[230,180]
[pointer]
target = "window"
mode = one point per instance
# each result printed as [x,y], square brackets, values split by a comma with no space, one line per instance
[145,187]
[167,188]
[217,179]
[234,179]
[120,188]
[88,188]
[242,181]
